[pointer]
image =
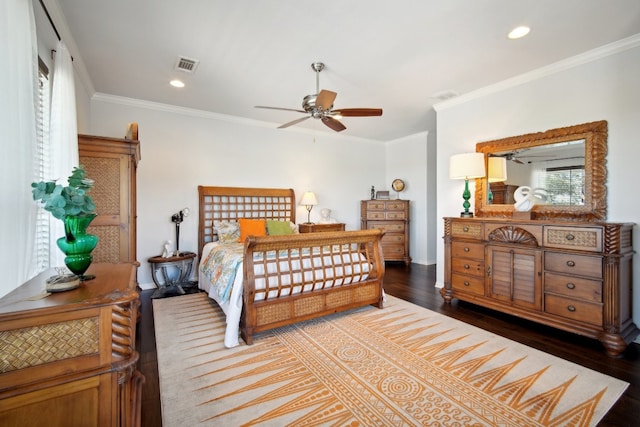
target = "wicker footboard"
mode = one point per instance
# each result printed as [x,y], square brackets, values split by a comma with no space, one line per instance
[334,286]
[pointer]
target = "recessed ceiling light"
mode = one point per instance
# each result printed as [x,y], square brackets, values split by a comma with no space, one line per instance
[518,32]
[176,83]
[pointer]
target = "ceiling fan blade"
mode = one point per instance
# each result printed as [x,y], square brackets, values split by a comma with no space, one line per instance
[278,108]
[293,122]
[359,112]
[325,99]
[333,124]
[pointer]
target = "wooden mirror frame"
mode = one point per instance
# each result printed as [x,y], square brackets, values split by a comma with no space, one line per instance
[595,169]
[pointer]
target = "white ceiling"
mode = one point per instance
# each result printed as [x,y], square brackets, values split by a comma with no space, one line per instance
[378,53]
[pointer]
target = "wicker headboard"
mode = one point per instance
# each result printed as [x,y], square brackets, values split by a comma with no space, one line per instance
[232,203]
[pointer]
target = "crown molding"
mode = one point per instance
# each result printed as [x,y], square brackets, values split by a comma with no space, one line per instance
[557,67]
[203,114]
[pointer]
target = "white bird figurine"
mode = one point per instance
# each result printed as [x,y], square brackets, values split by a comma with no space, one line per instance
[526,197]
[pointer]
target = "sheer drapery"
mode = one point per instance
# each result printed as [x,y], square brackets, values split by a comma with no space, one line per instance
[18,86]
[64,136]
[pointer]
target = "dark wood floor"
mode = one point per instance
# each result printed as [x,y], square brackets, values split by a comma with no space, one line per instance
[416,284]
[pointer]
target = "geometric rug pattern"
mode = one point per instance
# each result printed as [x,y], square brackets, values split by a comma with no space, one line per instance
[402,365]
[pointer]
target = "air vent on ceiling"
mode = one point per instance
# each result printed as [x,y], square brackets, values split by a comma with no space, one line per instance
[186,64]
[445,94]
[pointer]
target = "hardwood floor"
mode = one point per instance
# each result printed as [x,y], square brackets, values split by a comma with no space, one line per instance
[416,284]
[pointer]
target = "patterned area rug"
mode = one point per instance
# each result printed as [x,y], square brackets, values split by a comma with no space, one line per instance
[399,366]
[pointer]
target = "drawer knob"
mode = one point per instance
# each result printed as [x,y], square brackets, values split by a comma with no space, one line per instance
[571,286]
[570,236]
[465,229]
[571,263]
[466,266]
[466,249]
[466,283]
[571,308]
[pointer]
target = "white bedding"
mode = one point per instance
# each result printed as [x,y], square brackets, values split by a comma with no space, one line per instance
[233,306]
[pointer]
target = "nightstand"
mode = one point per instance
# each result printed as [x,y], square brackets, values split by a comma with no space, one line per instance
[318,228]
[181,265]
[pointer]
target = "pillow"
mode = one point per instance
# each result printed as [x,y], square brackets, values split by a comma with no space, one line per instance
[228,231]
[278,228]
[252,227]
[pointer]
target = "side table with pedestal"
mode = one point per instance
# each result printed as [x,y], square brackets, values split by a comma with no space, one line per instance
[171,273]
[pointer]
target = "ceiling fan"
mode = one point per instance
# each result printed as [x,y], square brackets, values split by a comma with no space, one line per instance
[320,106]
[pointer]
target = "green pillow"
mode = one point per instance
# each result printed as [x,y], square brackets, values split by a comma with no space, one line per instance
[278,228]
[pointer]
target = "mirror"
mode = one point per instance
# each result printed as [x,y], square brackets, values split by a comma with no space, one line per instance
[568,163]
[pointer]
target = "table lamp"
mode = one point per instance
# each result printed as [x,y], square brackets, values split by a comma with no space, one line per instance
[466,166]
[496,172]
[309,201]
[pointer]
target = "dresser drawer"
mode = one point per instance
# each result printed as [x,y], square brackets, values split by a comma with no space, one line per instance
[573,287]
[388,226]
[392,250]
[467,266]
[467,250]
[396,215]
[579,238]
[466,229]
[395,206]
[375,205]
[474,285]
[580,265]
[393,238]
[574,309]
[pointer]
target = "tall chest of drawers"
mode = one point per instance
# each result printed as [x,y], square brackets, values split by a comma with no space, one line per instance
[393,217]
[572,276]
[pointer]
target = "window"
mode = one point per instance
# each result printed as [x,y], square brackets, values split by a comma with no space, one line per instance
[41,166]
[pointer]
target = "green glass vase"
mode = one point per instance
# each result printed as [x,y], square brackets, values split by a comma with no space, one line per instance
[77,245]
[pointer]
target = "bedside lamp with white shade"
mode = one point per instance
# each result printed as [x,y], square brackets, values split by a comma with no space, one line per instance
[496,172]
[309,201]
[466,166]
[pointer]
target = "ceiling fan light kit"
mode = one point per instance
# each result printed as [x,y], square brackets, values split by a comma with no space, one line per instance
[320,106]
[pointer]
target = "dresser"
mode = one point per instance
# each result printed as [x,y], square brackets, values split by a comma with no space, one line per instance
[393,217]
[574,276]
[69,359]
[112,163]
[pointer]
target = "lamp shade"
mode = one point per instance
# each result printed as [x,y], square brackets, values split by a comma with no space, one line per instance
[496,169]
[309,199]
[466,165]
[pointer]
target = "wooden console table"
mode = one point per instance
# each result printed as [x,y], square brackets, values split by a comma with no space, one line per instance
[69,359]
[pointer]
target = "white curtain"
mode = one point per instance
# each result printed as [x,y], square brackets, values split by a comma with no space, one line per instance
[63,134]
[18,89]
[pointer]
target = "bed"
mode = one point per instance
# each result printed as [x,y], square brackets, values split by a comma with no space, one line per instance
[275,280]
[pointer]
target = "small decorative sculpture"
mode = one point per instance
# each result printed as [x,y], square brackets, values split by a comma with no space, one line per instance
[325,217]
[526,197]
[373,192]
[166,252]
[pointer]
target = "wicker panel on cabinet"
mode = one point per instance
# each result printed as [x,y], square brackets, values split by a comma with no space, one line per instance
[111,163]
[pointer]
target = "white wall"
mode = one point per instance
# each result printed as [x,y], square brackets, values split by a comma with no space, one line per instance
[600,85]
[406,159]
[182,149]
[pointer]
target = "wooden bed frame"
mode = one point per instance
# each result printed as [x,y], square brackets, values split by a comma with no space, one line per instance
[274,307]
